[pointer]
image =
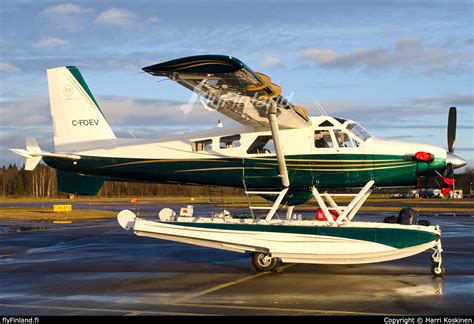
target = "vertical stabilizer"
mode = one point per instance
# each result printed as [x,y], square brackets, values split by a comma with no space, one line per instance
[75,112]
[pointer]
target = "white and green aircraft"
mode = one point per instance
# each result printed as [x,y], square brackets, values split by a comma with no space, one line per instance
[278,152]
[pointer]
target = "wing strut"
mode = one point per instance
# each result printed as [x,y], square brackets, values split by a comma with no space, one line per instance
[285,180]
[272,118]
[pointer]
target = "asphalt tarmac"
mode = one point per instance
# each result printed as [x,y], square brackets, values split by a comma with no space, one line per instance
[97,268]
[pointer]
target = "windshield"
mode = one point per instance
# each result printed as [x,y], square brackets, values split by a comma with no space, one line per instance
[358,131]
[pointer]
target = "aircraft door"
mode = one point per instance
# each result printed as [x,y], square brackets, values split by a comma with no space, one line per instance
[354,161]
[260,167]
[326,165]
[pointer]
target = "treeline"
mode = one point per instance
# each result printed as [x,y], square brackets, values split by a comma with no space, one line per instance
[16,182]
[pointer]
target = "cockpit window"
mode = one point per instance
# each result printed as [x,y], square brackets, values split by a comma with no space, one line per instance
[343,140]
[358,131]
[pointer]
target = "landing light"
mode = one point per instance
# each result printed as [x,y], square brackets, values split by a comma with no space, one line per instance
[424,156]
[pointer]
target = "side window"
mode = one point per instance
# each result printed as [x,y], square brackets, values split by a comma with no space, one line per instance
[229,141]
[262,145]
[205,145]
[343,140]
[322,139]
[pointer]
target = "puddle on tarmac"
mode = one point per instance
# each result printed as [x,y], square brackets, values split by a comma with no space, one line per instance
[17,229]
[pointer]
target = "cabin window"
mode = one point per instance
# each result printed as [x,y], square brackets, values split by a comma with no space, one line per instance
[229,142]
[343,140]
[204,145]
[262,145]
[322,139]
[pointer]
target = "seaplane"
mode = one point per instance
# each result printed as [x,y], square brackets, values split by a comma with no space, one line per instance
[278,152]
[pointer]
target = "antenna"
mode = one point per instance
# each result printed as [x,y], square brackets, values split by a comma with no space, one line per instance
[320,108]
[219,124]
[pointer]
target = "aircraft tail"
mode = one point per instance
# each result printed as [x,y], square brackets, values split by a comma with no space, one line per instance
[76,115]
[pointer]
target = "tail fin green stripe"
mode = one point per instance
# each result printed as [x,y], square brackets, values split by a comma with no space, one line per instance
[77,74]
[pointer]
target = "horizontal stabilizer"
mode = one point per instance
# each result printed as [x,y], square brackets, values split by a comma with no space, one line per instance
[34,154]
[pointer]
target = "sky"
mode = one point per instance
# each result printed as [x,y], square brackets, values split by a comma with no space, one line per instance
[394,66]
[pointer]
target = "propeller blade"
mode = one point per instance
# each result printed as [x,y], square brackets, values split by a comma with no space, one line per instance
[451,129]
[449,172]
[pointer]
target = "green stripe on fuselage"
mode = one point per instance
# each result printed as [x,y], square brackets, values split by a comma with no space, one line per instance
[348,170]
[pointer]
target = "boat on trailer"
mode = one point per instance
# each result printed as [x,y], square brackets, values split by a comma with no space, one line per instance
[294,241]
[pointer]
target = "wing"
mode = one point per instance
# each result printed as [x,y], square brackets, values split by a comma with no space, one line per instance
[232,88]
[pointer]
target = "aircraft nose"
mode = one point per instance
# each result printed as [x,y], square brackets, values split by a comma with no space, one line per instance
[455,160]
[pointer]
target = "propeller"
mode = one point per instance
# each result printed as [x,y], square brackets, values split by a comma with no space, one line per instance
[452,161]
[448,176]
[451,129]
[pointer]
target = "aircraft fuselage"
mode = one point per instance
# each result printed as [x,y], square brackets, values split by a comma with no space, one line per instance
[227,157]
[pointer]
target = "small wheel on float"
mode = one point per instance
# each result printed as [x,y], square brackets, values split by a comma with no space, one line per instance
[437,270]
[263,262]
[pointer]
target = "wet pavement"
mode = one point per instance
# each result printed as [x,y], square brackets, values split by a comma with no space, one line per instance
[97,268]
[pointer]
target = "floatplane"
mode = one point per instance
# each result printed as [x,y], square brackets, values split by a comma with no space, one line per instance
[278,152]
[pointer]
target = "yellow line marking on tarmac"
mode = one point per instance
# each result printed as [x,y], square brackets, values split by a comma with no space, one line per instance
[129,311]
[225,285]
[135,313]
[280,269]
[182,301]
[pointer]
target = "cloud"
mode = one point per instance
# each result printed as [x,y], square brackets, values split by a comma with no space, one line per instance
[418,126]
[119,111]
[107,61]
[8,68]
[67,16]
[64,9]
[151,20]
[46,43]
[132,112]
[270,61]
[115,17]
[28,111]
[460,100]
[408,54]
[322,56]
